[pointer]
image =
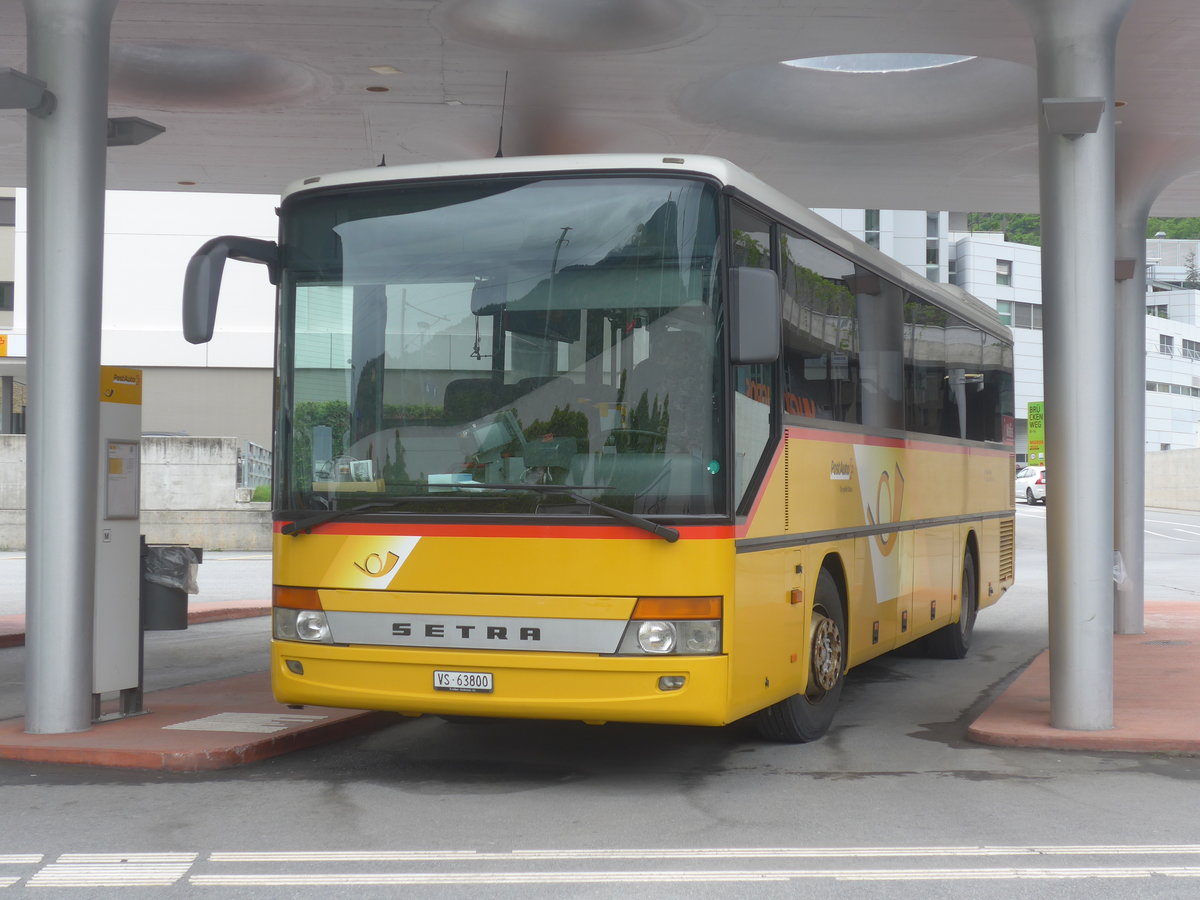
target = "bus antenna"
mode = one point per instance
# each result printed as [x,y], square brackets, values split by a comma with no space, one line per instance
[503,105]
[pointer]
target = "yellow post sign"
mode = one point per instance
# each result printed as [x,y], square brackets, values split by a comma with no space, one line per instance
[1037,434]
[3,345]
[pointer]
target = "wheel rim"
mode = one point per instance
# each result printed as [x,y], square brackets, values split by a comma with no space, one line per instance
[826,654]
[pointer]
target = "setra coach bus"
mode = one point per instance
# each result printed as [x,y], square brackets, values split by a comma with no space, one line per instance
[615,438]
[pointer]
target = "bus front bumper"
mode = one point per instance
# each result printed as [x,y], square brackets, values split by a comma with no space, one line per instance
[524,685]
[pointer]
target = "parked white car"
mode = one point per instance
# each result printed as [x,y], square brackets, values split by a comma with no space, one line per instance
[1031,484]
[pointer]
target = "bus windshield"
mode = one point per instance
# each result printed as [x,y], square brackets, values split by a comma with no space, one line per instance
[442,340]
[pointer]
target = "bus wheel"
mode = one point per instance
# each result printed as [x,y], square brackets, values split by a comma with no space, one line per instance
[954,640]
[805,717]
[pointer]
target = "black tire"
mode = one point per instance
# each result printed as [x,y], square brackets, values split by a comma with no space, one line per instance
[1029,498]
[954,640]
[805,717]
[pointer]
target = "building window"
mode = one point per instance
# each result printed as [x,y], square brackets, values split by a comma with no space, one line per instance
[871,227]
[1180,390]
[8,210]
[1166,344]
[6,296]
[1015,314]
[1164,446]
[1004,271]
[1191,349]
[1160,311]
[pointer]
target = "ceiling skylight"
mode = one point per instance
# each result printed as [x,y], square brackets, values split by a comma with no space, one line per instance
[877,63]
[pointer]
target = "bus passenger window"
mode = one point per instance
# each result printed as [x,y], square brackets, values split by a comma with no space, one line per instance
[925,375]
[820,333]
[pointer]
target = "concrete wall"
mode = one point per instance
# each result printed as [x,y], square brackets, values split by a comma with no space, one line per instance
[189,495]
[12,491]
[1173,479]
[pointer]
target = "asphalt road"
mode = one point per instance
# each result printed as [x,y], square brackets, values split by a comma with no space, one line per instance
[892,803]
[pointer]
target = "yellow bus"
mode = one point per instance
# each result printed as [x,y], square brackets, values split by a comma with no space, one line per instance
[615,438]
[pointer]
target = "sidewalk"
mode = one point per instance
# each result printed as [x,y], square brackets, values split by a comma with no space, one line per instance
[12,628]
[1156,694]
[199,727]
[226,723]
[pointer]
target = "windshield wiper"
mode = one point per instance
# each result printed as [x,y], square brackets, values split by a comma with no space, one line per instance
[329,515]
[666,532]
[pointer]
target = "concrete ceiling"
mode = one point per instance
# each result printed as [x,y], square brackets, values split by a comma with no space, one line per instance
[257,93]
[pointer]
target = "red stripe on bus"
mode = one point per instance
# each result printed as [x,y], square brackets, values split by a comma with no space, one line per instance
[588,532]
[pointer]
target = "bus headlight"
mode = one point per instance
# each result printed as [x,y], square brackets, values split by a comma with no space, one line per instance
[302,625]
[656,637]
[666,638]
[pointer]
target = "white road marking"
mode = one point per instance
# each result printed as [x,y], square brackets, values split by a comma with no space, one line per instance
[17,859]
[293,879]
[114,870]
[1168,536]
[294,856]
[165,869]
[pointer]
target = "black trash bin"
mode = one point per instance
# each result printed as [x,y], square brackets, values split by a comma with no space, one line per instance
[166,576]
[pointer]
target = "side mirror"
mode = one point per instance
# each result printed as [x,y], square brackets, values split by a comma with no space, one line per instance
[202,281]
[755,310]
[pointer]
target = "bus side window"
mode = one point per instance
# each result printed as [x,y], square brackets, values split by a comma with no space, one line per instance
[820,332]
[754,385]
[925,373]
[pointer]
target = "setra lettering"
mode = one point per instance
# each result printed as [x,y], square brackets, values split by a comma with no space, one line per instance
[526,633]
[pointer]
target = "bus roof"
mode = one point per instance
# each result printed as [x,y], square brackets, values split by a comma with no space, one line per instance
[950,297]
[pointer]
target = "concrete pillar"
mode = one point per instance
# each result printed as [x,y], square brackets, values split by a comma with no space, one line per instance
[68,43]
[1076,53]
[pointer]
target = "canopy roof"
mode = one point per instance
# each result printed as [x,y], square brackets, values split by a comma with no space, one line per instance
[258,93]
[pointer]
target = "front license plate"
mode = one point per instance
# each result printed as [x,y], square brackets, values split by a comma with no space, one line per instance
[470,682]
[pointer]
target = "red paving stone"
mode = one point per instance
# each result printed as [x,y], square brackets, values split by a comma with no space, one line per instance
[213,712]
[1156,694]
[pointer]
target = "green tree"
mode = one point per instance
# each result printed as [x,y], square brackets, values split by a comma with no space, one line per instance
[1026,228]
[1191,277]
[1018,228]
[1175,229]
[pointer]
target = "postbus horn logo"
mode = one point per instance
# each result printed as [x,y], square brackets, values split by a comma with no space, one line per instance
[893,495]
[377,566]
